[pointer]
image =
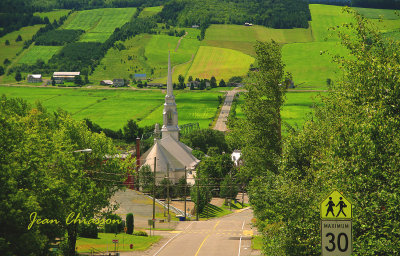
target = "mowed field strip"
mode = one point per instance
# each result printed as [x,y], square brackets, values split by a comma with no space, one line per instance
[113,108]
[39,52]
[219,62]
[99,24]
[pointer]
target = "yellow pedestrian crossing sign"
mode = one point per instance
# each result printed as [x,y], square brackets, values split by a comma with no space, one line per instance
[335,207]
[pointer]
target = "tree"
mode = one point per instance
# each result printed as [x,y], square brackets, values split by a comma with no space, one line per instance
[129,223]
[78,80]
[87,79]
[132,131]
[222,83]
[6,62]
[19,38]
[7,42]
[18,76]
[146,179]
[205,138]
[190,79]
[1,70]
[53,180]
[213,82]
[229,188]
[200,193]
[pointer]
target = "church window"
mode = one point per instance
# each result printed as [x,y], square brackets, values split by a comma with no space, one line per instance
[169,117]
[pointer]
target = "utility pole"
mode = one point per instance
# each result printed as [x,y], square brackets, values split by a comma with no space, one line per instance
[184,208]
[154,192]
[230,190]
[197,204]
[168,190]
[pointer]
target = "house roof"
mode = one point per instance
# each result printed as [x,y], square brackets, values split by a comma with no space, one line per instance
[37,76]
[107,81]
[66,73]
[140,75]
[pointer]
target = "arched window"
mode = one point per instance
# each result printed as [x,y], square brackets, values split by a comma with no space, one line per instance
[169,117]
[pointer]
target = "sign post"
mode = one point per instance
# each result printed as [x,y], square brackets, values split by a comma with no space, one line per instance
[336,225]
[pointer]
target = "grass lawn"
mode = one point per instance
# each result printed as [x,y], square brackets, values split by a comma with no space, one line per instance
[370,13]
[99,24]
[219,62]
[212,211]
[241,38]
[104,242]
[53,15]
[256,243]
[38,52]
[150,11]
[113,108]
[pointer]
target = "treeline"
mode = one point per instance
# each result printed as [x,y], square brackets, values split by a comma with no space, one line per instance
[58,37]
[276,14]
[381,4]
[331,2]
[15,15]
[48,5]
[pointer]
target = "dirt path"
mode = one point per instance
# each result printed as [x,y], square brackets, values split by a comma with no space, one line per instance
[179,42]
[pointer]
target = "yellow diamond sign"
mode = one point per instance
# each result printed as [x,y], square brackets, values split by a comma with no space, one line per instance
[335,207]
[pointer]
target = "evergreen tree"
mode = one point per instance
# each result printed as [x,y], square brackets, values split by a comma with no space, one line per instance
[18,76]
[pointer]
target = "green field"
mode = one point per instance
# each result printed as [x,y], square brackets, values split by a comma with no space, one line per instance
[99,24]
[53,15]
[242,38]
[219,62]
[378,13]
[113,108]
[145,53]
[150,11]
[10,51]
[38,52]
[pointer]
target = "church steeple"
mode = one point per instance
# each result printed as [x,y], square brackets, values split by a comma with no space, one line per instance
[170,114]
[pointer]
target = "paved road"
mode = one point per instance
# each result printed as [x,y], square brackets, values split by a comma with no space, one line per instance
[226,236]
[220,125]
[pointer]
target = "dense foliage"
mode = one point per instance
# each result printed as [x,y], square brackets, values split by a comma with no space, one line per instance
[276,14]
[58,37]
[40,172]
[204,139]
[381,4]
[15,14]
[350,145]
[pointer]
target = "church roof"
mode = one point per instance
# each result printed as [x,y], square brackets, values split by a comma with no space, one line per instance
[172,152]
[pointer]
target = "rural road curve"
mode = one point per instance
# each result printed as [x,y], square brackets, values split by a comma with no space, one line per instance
[220,125]
[226,236]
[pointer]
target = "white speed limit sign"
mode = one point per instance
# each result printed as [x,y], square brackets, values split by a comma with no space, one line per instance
[336,237]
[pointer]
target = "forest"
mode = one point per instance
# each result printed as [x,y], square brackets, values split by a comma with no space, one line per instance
[58,37]
[275,14]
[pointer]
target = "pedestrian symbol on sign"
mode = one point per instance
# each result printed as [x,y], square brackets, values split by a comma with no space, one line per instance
[335,206]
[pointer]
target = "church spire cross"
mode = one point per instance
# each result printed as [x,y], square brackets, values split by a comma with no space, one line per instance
[169,81]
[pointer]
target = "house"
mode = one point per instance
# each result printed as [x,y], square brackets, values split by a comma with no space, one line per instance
[65,76]
[195,26]
[195,84]
[140,76]
[236,157]
[106,82]
[118,82]
[172,156]
[34,78]
[247,24]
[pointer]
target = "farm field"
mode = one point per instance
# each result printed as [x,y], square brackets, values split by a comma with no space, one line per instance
[143,54]
[113,108]
[99,24]
[38,52]
[150,11]
[53,15]
[219,62]
[10,51]
[242,38]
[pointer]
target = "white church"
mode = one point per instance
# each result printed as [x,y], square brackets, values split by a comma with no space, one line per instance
[169,152]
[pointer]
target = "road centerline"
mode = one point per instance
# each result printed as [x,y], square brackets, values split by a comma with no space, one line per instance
[201,245]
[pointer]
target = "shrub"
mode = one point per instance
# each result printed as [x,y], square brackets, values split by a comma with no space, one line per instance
[115,227]
[88,230]
[139,233]
[129,223]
